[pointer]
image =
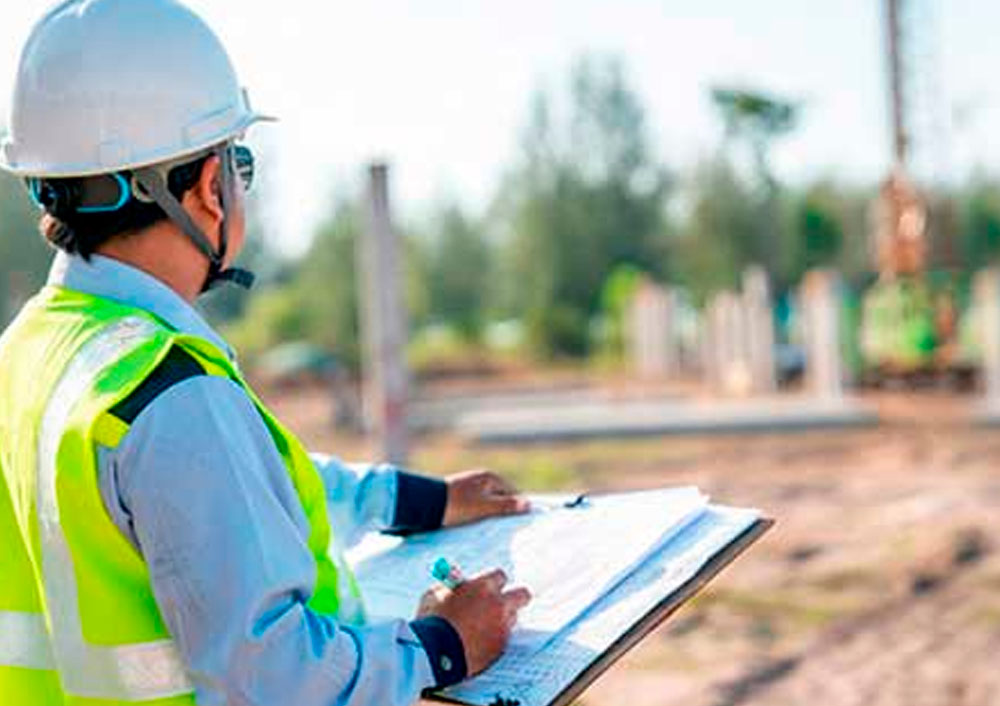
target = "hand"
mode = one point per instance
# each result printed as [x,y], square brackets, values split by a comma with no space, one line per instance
[482,613]
[473,495]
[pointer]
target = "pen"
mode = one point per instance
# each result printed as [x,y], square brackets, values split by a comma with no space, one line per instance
[573,503]
[447,573]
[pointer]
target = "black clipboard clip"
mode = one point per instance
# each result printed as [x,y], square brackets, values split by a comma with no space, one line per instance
[501,701]
[580,501]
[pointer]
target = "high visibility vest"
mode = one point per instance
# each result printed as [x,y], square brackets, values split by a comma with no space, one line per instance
[78,620]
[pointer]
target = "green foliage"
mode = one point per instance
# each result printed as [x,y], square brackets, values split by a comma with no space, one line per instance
[981,225]
[755,120]
[823,224]
[317,300]
[585,208]
[24,256]
[616,296]
[821,234]
[588,196]
[717,239]
[753,113]
[459,261]
[852,206]
[273,315]
[318,304]
[540,473]
[327,284]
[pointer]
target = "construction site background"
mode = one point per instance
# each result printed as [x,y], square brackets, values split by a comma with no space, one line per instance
[825,349]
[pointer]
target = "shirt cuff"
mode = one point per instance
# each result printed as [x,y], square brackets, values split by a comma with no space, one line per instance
[420,503]
[444,649]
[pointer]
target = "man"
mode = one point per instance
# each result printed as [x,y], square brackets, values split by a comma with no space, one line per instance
[165,539]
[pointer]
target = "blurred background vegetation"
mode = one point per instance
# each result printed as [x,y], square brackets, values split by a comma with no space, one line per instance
[583,209]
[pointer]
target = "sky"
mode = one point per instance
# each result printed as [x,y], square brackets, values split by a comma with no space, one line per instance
[441,88]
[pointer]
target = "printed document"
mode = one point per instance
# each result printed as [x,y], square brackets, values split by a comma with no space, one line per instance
[567,557]
[593,570]
[535,677]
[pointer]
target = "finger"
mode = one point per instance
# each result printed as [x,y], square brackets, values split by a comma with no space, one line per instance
[511,504]
[494,580]
[517,598]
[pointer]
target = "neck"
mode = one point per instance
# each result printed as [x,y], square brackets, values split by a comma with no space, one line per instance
[164,253]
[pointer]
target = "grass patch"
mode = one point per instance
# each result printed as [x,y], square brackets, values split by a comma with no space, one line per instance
[541,474]
[773,605]
[989,615]
[849,578]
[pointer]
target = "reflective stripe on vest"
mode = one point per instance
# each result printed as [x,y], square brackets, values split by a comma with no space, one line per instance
[24,641]
[133,672]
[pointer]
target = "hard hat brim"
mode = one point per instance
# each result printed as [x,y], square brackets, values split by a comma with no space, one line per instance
[29,169]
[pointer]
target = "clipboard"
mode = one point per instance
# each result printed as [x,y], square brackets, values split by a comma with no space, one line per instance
[667,607]
[649,621]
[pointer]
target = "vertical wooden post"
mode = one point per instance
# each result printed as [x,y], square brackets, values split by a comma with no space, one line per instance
[384,323]
[821,316]
[649,332]
[897,92]
[760,329]
[727,344]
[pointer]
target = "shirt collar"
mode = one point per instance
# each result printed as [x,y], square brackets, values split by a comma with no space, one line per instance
[111,279]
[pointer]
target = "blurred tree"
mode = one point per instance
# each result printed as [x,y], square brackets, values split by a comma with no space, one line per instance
[315,298]
[755,116]
[717,237]
[458,270]
[327,283]
[417,267]
[758,119]
[981,224]
[616,297]
[587,196]
[315,301]
[819,230]
[853,204]
[24,256]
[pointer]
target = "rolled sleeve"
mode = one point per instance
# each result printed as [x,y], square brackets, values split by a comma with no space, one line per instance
[364,498]
[420,503]
[213,510]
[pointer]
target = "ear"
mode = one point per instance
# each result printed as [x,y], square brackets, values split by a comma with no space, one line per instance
[203,197]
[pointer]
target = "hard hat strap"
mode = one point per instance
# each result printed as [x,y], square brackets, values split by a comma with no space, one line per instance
[152,182]
[238,276]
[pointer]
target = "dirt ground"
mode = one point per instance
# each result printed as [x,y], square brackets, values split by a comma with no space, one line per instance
[880,584]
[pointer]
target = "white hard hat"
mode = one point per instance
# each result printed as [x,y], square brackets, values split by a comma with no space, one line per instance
[106,85]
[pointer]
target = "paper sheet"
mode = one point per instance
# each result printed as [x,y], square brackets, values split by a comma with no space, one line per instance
[568,558]
[535,677]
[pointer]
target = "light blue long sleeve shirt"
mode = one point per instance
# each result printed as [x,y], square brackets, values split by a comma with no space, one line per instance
[198,487]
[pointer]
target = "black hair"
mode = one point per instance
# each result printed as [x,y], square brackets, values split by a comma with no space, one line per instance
[81,233]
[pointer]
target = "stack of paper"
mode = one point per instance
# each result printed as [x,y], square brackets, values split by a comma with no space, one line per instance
[567,557]
[592,569]
[552,674]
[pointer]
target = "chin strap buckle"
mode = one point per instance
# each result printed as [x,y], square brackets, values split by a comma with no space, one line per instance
[233,275]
